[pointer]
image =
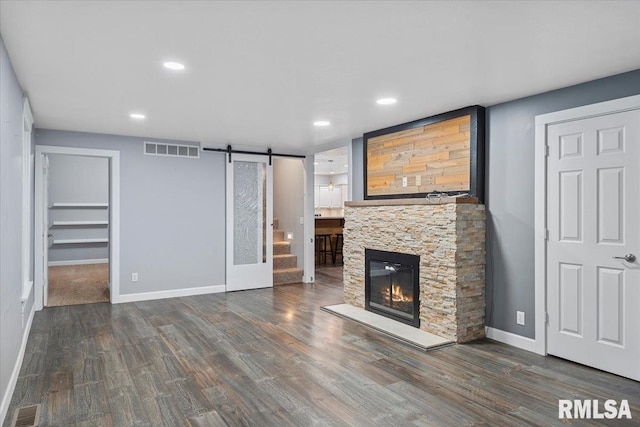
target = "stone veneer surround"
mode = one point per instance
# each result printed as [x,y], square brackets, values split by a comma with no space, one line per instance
[449,236]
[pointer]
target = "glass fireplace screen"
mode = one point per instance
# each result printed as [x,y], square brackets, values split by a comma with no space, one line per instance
[392,285]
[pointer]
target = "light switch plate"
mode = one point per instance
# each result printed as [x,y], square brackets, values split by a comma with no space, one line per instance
[405,181]
[134,277]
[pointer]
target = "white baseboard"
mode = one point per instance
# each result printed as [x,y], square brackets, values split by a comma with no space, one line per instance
[148,296]
[78,262]
[8,393]
[511,339]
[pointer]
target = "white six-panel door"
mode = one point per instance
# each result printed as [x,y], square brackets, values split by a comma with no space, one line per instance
[593,216]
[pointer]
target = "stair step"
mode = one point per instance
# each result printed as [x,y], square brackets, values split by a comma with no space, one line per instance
[287,275]
[284,261]
[278,235]
[281,248]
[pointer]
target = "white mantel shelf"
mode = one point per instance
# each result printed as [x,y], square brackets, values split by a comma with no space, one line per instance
[409,202]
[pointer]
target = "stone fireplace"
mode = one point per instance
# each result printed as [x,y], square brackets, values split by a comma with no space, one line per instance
[448,236]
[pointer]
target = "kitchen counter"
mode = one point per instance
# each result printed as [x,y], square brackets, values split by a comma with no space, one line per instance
[332,226]
[329,222]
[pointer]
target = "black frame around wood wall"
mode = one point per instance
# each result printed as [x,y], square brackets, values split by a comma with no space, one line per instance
[476,147]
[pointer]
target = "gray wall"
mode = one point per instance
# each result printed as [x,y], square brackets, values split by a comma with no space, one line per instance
[78,179]
[357,169]
[509,193]
[12,313]
[172,215]
[509,196]
[288,201]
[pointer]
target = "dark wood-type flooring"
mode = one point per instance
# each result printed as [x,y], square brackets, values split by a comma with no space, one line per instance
[271,357]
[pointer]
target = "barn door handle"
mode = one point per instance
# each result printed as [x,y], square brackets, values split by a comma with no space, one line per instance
[627,257]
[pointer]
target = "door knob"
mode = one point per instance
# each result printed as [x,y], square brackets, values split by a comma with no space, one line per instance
[627,257]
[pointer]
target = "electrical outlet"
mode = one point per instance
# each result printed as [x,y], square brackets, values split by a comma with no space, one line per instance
[520,317]
[301,220]
[134,277]
[405,181]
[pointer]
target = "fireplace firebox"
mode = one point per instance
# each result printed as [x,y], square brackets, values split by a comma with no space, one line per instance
[392,285]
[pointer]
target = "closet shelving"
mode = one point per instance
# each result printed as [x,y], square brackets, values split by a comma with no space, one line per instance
[78,241]
[79,205]
[79,223]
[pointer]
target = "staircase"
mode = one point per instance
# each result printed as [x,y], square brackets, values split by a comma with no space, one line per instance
[285,265]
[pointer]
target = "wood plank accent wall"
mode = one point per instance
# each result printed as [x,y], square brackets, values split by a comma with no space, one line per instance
[434,157]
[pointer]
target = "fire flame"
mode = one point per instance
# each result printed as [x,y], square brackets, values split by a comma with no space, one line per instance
[397,295]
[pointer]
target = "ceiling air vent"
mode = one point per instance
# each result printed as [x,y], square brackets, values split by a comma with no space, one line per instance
[171,150]
[27,416]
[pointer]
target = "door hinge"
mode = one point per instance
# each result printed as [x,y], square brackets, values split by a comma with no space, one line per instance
[546,151]
[546,234]
[546,318]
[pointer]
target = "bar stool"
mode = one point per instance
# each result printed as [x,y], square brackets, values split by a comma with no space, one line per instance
[338,249]
[321,247]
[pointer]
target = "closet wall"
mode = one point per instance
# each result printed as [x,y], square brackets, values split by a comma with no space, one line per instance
[78,209]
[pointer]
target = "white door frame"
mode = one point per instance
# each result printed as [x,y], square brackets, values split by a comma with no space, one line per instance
[540,236]
[309,222]
[309,208]
[114,220]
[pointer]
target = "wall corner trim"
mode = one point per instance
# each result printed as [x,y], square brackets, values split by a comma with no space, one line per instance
[174,293]
[8,393]
[512,339]
[27,291]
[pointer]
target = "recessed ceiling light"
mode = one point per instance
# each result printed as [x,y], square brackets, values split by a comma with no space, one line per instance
[137,116]
[332,172]
[346,166]
[321,123]
[176,66]
[386,101]
[316,163]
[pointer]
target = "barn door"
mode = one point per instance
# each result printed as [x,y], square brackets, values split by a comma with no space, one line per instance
[249,222]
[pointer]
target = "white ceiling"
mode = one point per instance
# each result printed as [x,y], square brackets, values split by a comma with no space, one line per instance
[259,73]
[332,162]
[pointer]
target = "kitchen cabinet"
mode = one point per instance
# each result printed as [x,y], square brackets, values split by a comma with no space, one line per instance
[325,197]
[336,196]
[329,198]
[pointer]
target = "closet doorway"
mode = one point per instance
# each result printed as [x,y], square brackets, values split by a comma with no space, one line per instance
[76,220]
[78,223]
